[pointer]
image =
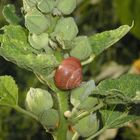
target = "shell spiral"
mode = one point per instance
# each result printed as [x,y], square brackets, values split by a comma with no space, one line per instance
[69,74]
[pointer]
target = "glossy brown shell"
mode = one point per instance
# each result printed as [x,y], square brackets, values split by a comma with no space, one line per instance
[69,74]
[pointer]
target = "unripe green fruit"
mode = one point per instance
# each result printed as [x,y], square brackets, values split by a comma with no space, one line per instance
[46,6]
[81,48]
[66,28]
[39,41]
[87,126]
[49,118]
[38,100]
[66,6]
[36,22]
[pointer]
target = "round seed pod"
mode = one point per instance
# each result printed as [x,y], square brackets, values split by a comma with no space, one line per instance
[66,28]
[66,6]
[46,6]
[69,74]
[36,22]
[81,48]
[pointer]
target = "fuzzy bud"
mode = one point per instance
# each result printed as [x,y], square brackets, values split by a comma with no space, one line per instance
[36,22]
[38,100]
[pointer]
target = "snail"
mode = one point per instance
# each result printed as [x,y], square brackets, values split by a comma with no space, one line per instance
[69,74]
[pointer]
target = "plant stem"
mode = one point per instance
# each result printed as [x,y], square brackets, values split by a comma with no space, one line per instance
[23,111]
[88,60]
[54,137]
[96,134]
[1,38]
[75,136]
[63,106]
[84,114]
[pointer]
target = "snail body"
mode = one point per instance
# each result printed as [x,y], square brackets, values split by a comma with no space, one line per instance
[69,74]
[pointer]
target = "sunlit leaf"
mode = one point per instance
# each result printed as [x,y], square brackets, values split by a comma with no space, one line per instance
[104,40]
[15,48]
[8,91]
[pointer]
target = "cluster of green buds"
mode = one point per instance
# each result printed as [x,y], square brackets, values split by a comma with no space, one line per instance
[49,29]
[40,103]
[51,32]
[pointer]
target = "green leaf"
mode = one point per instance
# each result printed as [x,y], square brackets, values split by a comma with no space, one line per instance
[115,119]
[104,40]
[123,90]
[127,11]
[8,91]
[15,48]
[9,13]
[15,36]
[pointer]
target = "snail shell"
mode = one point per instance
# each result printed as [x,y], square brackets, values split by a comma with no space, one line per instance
[69,74]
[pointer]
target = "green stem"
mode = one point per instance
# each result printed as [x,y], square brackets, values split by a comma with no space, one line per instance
[23,111]
[86,113]
[96,134]
[63,106]
[54,137]
[1,38]
[75,136]
[88,60]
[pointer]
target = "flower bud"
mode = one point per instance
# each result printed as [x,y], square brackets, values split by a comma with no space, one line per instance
[66,28]
[67,114]
[80,96]
[36,22]
[49,118]
[28,4]
[81,48]
[88,125]
[39,41]
[46,6]
[66,6]
[38,100]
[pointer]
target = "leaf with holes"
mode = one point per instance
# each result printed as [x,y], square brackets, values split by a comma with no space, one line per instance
[15,48]
[104,40]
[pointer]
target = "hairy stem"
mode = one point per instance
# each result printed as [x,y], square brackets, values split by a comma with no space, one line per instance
[86,113]
[96,134]
[88,60]
[75,136]
[63,106]
[23,111]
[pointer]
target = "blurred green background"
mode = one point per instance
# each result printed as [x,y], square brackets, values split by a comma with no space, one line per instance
[92,16]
